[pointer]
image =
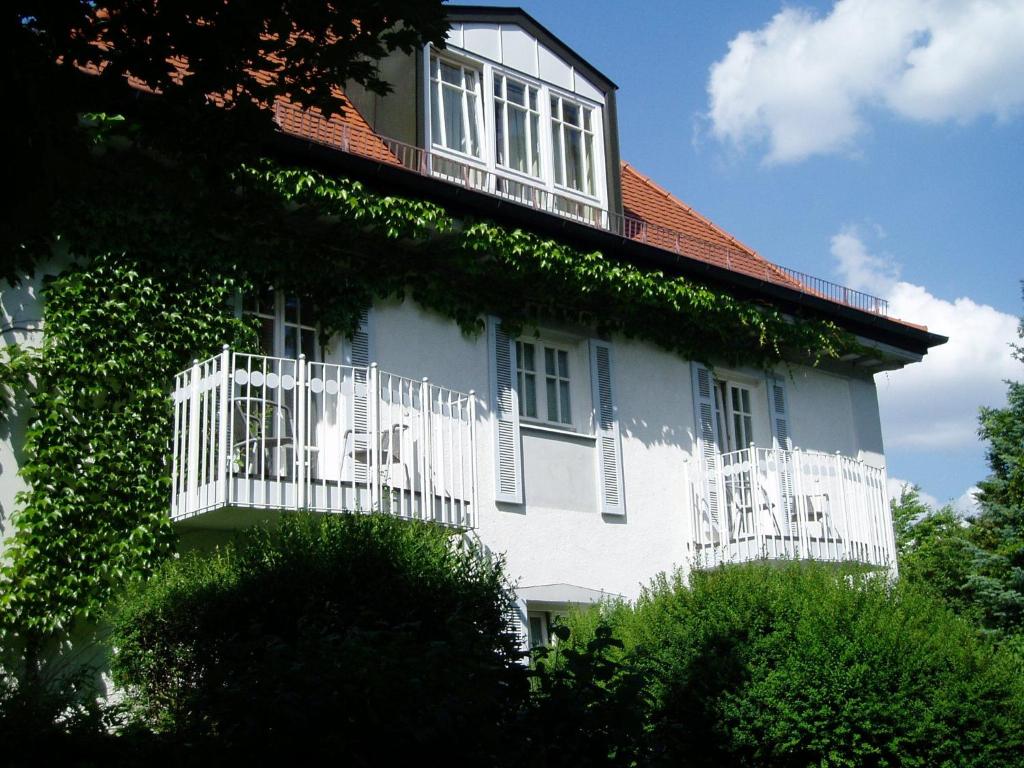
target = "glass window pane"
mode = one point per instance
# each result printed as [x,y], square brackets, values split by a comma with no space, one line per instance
[530,395]
[455,137]
[516,93]
[738,431]
[586,120]
[533,99]
[554,108]
[746,400]
[573,158]
[735,392]
[435,117]
[266,336]
[552,394]
[309,343]
[563,395]
[470,79]
[499,133]
[291,342]
[433,68]
[535,144]
[549,361]
[563,364]
[589,187]
[291,310]
[517,139]
[570,113]
[527,361]
[748,428]
[497,85]
[556,149]
[451,74]
[474,139]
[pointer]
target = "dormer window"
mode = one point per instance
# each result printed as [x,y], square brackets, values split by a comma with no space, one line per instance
[516,125]
[455,113]
[572,142]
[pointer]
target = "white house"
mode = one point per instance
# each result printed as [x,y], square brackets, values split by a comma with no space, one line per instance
[590,463]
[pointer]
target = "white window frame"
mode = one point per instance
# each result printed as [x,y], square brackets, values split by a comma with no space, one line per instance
[590,206]
[436,88]
[281,325]
[533,123]
[541,376]
[592,149]
[726,414]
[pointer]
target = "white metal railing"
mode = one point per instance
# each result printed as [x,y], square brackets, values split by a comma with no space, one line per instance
[763,503]
[295,120]
[252,431]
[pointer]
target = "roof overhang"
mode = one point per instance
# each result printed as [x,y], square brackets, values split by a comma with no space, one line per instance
[907,342]
[557,595]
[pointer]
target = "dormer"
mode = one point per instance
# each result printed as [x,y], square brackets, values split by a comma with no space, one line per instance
[509,100]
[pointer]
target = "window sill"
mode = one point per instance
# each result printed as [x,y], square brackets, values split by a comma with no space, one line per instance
[560,431]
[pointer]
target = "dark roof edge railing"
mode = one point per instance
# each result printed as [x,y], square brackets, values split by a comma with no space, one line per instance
[294,120]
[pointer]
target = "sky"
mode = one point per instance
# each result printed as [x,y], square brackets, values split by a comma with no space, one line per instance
[876,143]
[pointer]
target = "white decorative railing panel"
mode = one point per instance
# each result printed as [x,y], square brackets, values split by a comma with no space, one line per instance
[252,431]
[778,504]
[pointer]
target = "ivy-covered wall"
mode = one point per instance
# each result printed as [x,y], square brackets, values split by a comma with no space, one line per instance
[164,242]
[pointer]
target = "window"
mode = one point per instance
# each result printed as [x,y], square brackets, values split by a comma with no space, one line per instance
[735,416]
[516,125]
[455,116]
[286,327]
[544,384]
[572,145]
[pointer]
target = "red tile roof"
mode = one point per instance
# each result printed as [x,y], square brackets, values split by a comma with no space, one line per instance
[675,226]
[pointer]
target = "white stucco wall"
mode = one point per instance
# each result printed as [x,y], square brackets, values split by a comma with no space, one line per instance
[559,535]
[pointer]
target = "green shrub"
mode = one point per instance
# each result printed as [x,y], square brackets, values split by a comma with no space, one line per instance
[807,664]
[363,636]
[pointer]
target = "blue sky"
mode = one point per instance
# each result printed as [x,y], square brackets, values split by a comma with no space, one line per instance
[878,143]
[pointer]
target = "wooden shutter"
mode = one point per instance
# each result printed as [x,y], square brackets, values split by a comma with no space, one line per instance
[706,432]
[508,464]
[606,418]
[779,410]
[357,354]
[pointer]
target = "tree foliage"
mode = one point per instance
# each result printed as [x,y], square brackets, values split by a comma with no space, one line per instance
[808,664]
[977,565]
[244,53]
[379,639]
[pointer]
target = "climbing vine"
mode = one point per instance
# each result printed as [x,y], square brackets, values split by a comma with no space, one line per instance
[164,241]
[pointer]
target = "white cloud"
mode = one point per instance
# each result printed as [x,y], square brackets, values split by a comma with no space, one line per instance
[933,405]
[967,504]
[894,488]
[806,85]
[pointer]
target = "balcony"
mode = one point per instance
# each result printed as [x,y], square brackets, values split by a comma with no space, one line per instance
[773,504]
[255,435]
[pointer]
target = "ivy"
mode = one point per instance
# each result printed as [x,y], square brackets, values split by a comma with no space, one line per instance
[165,240]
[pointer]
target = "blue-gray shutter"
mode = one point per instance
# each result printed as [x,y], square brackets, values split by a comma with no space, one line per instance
[508,463]
[778,410]
[358,354]
[606,420]
[706,432]
[778,407]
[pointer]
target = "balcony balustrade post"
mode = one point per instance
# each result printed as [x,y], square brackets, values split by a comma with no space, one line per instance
[426,405]
[844,552]
[470,519]
[374,468]
[799,503]
[299,454]
[192,463]
[755,508]
[224,465]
